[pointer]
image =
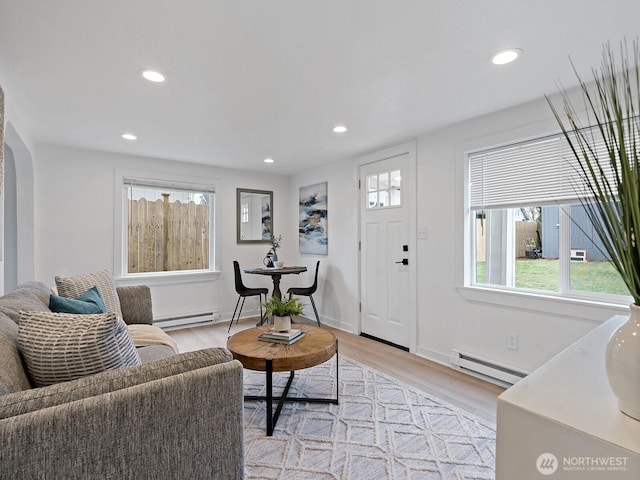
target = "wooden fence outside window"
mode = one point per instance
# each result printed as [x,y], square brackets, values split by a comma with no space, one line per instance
[522,230]
[167,236]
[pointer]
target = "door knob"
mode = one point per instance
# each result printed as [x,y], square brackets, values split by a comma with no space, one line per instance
[405,261]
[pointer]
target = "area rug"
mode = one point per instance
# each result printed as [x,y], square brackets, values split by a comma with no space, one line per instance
[382,429]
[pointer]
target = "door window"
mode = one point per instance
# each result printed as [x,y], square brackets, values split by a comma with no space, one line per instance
[384,189]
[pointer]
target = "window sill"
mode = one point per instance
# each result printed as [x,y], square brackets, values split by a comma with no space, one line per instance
[168,278]
[592,310]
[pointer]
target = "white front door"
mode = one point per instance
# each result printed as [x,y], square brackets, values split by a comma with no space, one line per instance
[386,251]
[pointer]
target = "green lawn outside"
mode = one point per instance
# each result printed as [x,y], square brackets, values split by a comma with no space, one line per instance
[544,274]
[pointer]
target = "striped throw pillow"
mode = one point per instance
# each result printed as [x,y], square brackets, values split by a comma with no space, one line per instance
[58,347]
[76,285]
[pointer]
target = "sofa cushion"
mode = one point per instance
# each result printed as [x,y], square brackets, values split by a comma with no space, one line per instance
[135,302]
[27,297]
[13,377]
[153,353]
[87,303]
[74,286]
[59,347]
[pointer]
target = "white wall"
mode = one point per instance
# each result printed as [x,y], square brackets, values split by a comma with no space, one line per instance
[446,318]
[337,296]
[75,222]
[449,316]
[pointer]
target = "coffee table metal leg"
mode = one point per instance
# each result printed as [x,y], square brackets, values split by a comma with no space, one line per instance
[283,398]
[272,417]
[337,377]
[285,395]
[269,373]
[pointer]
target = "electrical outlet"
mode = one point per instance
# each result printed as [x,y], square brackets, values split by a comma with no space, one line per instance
[422,233]
[512,340]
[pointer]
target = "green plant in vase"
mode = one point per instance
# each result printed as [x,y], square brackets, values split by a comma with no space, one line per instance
[282,311]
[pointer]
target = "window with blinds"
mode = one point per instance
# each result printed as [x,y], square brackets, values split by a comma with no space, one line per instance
[542,171]
[527,221]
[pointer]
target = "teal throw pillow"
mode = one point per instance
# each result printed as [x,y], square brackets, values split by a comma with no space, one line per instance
[89,302]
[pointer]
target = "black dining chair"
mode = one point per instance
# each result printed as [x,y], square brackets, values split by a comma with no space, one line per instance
[308,292]
[244,292]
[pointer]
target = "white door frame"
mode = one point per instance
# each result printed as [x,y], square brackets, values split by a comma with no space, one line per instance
[409,149]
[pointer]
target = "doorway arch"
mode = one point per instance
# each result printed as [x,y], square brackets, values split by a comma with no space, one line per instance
[24,206]
[10,238]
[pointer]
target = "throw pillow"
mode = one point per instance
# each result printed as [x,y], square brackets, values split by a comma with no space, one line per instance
[74,286]
[58,347]
[87,303]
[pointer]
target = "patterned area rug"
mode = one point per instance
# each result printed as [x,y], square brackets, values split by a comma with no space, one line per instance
[381,430]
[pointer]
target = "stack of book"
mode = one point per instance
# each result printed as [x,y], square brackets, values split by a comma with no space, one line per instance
[289,336]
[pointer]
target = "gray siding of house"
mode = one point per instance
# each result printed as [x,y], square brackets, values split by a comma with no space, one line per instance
[581,232]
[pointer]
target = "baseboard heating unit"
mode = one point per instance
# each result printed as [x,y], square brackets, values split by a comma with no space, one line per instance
[187,319]
[485,369]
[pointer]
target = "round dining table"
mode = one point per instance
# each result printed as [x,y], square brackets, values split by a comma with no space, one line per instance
[276,275]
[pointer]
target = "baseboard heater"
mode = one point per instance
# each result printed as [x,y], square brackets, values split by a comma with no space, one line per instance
[485,369]
[187,319]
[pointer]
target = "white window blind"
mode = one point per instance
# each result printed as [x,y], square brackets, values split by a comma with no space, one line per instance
[535,172]
[175,186]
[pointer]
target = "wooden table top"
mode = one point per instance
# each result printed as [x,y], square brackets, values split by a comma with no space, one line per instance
[317,346]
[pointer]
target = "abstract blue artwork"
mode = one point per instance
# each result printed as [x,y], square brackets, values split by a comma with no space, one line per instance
[312,227]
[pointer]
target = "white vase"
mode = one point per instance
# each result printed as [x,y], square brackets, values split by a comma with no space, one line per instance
[623,364]
[281,324]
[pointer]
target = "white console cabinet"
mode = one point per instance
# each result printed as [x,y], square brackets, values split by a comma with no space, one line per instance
[562,421]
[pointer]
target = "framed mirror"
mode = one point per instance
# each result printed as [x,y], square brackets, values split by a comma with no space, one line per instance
[254,215]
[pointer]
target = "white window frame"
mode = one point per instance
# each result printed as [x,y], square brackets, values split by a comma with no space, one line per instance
[120,229]
[575,306]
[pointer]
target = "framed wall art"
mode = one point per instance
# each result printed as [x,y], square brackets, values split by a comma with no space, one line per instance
[312,227]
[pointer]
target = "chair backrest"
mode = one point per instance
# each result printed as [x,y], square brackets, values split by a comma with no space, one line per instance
[238,278]
[314,287]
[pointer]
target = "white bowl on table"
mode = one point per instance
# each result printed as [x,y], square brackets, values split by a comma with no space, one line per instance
[278,264]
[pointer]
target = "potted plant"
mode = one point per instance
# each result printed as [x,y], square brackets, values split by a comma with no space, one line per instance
[282,311]
[275,245]
[607,162]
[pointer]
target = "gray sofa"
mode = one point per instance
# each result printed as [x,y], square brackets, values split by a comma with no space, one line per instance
[174,417]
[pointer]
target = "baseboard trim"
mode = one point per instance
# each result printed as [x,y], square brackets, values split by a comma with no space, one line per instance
[433,356]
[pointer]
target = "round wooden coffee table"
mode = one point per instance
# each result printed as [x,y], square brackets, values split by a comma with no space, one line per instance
[316,347]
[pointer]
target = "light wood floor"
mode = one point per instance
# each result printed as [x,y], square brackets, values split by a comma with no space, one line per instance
[464,391]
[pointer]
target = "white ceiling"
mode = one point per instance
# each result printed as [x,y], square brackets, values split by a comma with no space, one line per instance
[250,79]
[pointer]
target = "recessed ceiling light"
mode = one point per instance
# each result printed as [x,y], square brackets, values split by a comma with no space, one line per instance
[505,56]
[339,129]
[129,136]
[153,76]
[268,160]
